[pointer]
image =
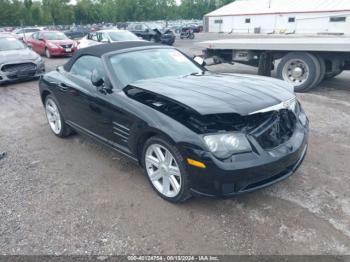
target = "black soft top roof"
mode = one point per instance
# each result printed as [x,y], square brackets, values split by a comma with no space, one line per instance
[100,50]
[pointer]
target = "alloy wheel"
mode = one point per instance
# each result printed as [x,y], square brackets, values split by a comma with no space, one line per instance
[163,170]
[53,116]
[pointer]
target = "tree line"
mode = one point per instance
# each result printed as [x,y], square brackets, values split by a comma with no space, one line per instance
[62,12]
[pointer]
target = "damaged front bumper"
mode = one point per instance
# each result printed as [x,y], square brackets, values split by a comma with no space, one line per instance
[249,171]
[21,71]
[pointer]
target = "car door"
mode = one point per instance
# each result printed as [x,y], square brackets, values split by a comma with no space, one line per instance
[40,43]
[31,41]
[92,109]
[76,94]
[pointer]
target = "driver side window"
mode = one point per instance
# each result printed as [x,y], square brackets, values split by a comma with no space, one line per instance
[93,36]
[138,27]
[84,66]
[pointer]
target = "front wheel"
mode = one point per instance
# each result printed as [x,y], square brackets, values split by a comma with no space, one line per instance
[165,169]
[47,53]
[191,36]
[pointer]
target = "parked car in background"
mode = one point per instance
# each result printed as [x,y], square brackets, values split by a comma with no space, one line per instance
[17,61]
[106,36]
[153,33]
[52,43]
[77,32]
[24,33]
[196,28]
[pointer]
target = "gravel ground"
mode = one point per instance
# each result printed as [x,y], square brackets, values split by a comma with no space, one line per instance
[73,196]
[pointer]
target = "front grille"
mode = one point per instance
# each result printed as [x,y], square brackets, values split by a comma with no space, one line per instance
[277,130]
[24,76]
[14,68]
[67,46]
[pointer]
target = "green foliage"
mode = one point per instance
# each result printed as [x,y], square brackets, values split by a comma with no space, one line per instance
[28,12]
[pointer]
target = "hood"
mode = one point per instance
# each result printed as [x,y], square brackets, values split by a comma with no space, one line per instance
[220,93]
[61,42]
[17,55]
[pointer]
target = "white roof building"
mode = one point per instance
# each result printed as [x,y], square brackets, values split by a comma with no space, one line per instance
[274,15]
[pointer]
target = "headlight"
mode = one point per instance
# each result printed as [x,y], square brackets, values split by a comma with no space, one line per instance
[39,59]
[225,145]
[298,111]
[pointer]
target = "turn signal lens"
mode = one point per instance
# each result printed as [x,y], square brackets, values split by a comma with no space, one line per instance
[195,163]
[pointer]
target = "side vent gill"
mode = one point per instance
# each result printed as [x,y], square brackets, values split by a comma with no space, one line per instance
[122,131]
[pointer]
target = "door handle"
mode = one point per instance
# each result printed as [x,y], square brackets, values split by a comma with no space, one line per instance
[63,87]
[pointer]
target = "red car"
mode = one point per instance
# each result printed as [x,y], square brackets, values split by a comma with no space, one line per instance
[52,43]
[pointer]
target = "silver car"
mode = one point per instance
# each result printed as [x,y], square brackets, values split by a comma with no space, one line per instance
[17,61]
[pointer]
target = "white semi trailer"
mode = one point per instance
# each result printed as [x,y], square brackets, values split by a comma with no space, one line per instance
[303,61]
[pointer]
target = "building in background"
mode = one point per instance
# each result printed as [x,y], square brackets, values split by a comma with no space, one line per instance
[281,16]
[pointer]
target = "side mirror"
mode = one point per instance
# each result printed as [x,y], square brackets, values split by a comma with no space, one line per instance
[199,60]
[96,78]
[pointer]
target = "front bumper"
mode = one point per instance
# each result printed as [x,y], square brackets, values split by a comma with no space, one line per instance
[247,172]
[59,51]
[22,75]
[168,39]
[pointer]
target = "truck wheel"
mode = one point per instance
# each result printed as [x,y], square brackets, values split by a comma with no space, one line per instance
[322,69]
[302,70]
[332,74]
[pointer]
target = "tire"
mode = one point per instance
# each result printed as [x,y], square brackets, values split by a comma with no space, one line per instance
[191,36]
[307,65]
[322,69]
[55,119]
[176,190]
[332,74]
[47,53]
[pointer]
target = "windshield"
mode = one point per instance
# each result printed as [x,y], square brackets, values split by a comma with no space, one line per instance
[54,36]
[122,36]
[154,26]
[152,63]
[7,44]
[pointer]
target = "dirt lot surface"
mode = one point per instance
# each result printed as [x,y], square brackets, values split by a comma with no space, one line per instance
[73,196]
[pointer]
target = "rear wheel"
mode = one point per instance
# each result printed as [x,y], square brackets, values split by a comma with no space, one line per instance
[322,69]
[302,70]
[332,74]
[165,170]
[55,118]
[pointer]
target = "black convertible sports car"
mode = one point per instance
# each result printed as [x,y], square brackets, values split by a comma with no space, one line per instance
[193,131]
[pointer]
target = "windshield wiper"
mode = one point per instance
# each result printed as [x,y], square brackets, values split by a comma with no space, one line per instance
[195,74]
